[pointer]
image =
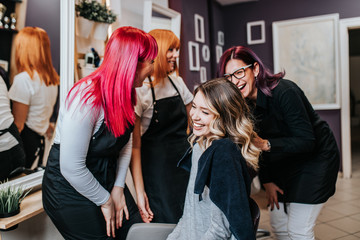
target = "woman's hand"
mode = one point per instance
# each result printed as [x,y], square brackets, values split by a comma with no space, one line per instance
[108,212]
[271,194]
[261,143]
[118,197]
[144,208]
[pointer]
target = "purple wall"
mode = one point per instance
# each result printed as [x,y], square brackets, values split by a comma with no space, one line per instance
[46,14]
[232,21]
[187,34]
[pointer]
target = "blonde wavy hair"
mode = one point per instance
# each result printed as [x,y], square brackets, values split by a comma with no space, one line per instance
[232,120]
[166,40]
[32,54]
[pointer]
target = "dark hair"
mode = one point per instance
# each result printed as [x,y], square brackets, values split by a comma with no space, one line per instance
[265,80]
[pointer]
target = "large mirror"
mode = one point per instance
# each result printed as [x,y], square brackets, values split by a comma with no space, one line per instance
[40,14]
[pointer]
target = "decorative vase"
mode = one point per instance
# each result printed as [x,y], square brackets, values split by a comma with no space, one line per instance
[101,31]
[84,27]
[10,214]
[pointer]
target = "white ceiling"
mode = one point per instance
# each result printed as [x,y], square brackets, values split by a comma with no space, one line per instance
[229,2]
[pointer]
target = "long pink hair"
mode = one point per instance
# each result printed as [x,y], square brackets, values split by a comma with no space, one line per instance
[112,83]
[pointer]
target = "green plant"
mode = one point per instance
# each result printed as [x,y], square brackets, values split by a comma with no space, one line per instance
[95,11]
[11,197]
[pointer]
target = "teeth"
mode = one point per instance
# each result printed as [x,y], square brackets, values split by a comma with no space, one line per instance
[197,125]
[241,87]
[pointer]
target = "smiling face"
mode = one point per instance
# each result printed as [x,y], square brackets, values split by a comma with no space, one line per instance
[171,55]
[247,83]
[201,116]
[143,70]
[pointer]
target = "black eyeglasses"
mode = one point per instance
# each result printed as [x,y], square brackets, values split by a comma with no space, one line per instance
[238,73]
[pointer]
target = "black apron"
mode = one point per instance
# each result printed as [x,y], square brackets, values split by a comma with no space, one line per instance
[75,216]
[14,158]
[162,146]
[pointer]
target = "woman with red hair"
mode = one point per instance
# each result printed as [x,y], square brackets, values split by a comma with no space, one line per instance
[84,180]
[34,90]
[160,137]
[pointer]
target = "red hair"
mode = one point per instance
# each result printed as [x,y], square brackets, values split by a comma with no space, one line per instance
[32,54]
[112,83]
[166,40]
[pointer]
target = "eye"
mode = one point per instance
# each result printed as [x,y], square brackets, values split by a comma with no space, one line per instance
[193,106]
[152,61]
[170,49]
[204,112]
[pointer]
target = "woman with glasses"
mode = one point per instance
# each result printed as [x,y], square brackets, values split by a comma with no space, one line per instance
[300,161]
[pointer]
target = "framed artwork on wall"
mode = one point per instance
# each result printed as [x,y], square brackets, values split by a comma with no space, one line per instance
[199,28]
[255,32]
[221,40]
[203,77]
[307,49]
[206,53]
[219,52]
[194,56]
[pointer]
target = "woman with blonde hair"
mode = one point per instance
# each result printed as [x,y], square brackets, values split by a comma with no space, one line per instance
[217,204]
[34,90]
[160,136]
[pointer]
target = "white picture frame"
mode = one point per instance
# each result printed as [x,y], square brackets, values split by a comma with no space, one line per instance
[307,49]
[150,22]
[219,52]
[194,56]
[250,35]
[199,28]
[221,40]
[203,77]
[205,53]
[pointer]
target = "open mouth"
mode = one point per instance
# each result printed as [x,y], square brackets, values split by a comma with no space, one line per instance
[197,126]
[241,87]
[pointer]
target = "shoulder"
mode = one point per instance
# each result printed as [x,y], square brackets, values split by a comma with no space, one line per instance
[22,77]
[287,88]
[223,149]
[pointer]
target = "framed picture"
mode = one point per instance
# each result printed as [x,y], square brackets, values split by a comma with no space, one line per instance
[221,40]
[206,53]
[219,52]
[194,56]
[199,28]
[4,64]
[203,77]
[307,49]
[256,32]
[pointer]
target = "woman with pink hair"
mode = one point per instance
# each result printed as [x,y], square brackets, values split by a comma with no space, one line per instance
[84,182]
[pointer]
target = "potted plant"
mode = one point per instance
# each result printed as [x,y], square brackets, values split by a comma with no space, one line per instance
[10,199]
[93,11]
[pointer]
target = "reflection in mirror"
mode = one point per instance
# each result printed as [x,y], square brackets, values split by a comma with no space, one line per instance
[27,83]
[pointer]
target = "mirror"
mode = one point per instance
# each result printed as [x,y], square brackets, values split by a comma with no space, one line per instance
[28,15]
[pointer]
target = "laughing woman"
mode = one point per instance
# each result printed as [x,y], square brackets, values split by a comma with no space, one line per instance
[160,136]
[301,159]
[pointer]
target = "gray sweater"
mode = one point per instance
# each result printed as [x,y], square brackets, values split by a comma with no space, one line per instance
[201,219]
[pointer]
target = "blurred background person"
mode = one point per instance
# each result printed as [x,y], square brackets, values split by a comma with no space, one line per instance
[34,90]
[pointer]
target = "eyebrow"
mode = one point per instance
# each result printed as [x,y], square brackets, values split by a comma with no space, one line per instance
[203,108]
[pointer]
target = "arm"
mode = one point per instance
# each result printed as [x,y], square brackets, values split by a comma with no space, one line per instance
[117,193]
[20,112]
[301,137]
[135,166]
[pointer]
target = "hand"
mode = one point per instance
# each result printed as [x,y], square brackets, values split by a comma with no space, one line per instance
[271,194]
[118,197]
[144,208]
[261,143]
[108,212]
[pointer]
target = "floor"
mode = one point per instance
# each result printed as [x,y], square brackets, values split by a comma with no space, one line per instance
[340,216]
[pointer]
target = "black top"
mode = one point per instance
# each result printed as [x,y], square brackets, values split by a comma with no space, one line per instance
[304,157]
[224,170]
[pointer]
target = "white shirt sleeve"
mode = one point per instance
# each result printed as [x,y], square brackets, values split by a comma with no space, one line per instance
[20,91]
[123,163]
[184,91]
[78,124]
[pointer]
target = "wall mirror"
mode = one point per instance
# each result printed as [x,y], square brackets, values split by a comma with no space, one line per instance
[67,18]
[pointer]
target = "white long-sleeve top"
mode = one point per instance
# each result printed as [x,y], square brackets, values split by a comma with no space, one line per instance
[75,127]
